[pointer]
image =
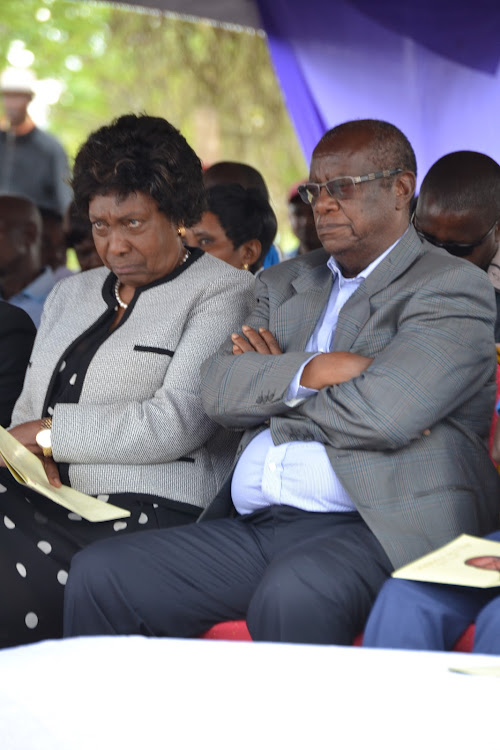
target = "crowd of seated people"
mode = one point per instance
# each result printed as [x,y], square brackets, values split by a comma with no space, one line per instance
[284,435]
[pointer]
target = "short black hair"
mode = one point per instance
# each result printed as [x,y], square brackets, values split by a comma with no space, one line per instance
[465,181]
[244,214]
[391,148]
[139,153]
[224,172]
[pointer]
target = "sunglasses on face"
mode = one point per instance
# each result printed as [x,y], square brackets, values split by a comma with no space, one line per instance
[341,188]
[459,249]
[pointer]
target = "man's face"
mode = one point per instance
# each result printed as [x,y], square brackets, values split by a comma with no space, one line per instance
[15,106]
[357,230]
[457,227]
[15,268]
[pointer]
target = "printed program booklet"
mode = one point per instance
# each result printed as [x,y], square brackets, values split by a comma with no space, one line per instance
[28,470]
[466,561]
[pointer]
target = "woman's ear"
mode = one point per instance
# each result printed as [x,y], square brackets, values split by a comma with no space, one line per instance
[249,252]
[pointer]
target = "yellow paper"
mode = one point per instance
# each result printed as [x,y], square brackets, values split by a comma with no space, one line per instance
[28,470]
[458,563]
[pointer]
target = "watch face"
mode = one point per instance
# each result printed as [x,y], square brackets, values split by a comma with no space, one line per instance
[43,439]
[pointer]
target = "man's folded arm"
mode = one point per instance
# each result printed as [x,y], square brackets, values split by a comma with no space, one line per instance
[442,355]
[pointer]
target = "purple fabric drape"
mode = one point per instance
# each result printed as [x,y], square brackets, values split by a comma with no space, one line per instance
[433,71]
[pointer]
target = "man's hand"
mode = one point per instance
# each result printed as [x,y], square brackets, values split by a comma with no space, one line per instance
[262,342]
[333,368]
[26,434]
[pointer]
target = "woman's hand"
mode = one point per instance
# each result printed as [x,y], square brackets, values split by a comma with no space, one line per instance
[51,470]
[26,434]
[261,341]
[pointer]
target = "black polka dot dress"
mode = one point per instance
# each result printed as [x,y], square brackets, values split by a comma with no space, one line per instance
[38,538]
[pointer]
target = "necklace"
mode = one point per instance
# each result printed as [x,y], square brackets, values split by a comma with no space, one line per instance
[184,257]
[123,304]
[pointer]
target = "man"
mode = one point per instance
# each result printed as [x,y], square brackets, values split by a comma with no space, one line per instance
[349,464]
[54,246]
[32,162]
[17,334]
[302,223]
[458,209]
[433,616]
[24,281]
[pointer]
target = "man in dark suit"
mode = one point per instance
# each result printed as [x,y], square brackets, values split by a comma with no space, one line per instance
[458,209]
[17,334]
[364,377]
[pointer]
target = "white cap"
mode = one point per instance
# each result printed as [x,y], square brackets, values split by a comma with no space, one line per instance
[17,81]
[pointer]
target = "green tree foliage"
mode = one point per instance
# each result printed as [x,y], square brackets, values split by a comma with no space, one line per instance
[216,85]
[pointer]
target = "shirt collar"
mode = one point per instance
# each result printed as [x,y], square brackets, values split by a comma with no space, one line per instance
[41,286]
[336,271]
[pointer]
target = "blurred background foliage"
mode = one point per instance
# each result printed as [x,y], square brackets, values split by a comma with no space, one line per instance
[215,84]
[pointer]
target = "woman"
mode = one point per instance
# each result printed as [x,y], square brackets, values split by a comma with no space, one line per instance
[115,370]
[239,226]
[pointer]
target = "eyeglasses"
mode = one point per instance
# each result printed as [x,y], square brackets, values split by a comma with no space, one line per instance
[459,249]
[342,188]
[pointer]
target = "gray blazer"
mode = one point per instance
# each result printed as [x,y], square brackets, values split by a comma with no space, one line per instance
[139,425]
[428,319]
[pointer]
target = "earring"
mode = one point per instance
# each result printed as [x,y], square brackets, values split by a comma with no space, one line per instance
[245,267]
[181,231]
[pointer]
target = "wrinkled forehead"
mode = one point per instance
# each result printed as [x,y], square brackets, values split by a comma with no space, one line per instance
[339,156]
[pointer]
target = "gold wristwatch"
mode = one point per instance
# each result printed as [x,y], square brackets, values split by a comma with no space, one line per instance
[43,437]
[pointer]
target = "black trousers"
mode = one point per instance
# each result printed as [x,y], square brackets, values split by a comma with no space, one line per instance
[295,576]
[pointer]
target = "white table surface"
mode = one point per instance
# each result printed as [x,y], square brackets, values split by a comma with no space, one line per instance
[134,693]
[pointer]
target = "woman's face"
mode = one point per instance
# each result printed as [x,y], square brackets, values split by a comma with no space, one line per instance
[210,236]
[133,238]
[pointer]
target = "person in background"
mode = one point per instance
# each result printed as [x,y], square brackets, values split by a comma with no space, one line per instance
[54,243]
[17,334]
[112,402]
[78,236]
[365,380]
[224,172]
[24,280]
[458,209]
[302,223]
[32,162]
[239,226]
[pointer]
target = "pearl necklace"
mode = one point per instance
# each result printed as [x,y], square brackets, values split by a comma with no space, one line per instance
[123,304]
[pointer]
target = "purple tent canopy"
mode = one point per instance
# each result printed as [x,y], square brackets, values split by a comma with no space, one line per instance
[431,68]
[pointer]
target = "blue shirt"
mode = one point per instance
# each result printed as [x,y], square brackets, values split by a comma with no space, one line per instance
[32,297]
[299,474]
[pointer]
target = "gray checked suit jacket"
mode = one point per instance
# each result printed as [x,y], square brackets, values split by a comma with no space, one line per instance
[428,320]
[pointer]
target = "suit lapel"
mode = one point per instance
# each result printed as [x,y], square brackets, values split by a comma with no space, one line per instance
[356,311]
[297,317]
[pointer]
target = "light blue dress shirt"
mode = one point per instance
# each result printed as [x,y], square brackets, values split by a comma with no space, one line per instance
[299,474]
[32,297]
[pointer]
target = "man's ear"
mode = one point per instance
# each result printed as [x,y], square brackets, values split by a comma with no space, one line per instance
[404,187]
[30,232]
[250,252]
